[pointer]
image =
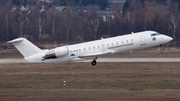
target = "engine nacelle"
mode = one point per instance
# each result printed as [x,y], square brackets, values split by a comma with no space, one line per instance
[55,53]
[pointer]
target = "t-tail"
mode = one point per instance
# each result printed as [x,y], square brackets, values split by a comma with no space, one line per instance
[25,47]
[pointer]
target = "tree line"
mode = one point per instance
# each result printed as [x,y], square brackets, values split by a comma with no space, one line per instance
[49,26]
[102,3]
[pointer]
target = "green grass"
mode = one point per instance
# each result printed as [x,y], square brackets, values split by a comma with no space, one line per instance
[106,81]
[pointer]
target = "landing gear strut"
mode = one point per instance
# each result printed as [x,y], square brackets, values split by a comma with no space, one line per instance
[94,62]
[161,50]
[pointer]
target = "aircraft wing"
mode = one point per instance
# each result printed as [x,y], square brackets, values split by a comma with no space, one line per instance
[94,55]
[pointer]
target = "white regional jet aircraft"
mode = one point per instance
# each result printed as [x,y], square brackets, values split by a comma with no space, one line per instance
[90,50]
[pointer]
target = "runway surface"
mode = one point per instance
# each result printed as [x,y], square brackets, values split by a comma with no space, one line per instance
[138,60]
[13,60]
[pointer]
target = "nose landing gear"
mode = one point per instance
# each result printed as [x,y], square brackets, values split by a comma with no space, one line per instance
[161,50]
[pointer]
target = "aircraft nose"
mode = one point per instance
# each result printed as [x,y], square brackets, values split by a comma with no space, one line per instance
[167,38]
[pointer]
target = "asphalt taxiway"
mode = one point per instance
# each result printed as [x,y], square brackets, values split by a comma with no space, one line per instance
[174,59]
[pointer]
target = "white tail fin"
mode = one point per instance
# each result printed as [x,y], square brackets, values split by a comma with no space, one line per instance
[25,47]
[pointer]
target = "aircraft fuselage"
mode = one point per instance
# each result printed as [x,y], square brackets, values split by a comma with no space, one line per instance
[89,50]
[92,49]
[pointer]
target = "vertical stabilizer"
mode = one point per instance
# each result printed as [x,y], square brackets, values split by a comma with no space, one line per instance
[25,47]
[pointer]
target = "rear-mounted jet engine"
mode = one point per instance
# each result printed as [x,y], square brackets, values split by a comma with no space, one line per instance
[55,53]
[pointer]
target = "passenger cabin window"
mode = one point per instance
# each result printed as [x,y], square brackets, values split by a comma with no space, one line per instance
[131,40]
[98,46]
[84,49]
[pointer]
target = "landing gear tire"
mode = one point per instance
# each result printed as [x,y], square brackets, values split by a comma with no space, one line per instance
[161,50]
[93,62]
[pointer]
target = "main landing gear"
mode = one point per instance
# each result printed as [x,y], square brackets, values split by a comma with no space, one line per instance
[94,62]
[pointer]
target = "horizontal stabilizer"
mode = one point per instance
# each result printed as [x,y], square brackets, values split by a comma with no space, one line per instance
[15,40]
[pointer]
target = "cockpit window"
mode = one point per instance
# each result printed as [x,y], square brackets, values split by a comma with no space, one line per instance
[155,34]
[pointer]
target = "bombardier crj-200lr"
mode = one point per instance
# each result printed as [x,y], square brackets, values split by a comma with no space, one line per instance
[90,50]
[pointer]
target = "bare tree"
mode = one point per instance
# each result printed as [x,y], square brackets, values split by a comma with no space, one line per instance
[94,21]
[174,19]
[53,26]
[40,20]
[148,7]
[68,23]
[4,13]
[133,13]
[51,22]
[174,25]
[4,17]
[6,21]
[19,23]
